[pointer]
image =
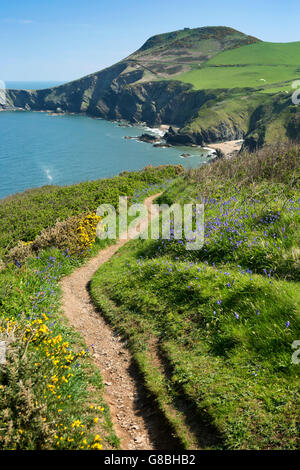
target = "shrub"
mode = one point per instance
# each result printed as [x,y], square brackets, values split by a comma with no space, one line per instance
[75,235]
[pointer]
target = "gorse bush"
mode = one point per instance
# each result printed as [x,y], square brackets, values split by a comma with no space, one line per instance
[87,230]
[44,383]
[75,235]
[24,405]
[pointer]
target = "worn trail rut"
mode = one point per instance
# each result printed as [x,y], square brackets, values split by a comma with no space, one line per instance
[136,422]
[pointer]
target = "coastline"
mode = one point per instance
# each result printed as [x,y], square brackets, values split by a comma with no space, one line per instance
[229,147]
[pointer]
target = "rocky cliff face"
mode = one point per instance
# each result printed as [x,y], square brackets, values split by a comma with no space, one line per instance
[116,95]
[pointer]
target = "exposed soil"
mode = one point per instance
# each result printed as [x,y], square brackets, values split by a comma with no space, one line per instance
[136,421]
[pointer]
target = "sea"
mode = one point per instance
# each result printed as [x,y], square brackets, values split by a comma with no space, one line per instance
[37,148]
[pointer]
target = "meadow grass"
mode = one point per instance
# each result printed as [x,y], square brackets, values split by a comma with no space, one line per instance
[260,53]
[51,395]
[223,318]
[256,65]
[254,76]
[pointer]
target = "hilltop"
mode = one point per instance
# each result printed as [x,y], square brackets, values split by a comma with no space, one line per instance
[169,54]
[213,83]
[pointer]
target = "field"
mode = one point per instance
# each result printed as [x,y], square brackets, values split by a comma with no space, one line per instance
[257,66]
[252,76]
[212,330]
[261,53]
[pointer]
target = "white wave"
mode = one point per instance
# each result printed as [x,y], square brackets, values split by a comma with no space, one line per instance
[48,174]
[155,131]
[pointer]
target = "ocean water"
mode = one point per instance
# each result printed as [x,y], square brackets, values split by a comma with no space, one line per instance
[38,149]
[31,85]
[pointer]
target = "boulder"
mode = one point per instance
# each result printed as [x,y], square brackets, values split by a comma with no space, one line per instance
[149,138]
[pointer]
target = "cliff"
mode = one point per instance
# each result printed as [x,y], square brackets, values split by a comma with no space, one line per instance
[146,87]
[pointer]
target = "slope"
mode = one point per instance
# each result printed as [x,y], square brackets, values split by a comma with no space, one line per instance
[205,81]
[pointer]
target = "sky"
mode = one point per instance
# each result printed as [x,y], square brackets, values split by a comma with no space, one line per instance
[61,40]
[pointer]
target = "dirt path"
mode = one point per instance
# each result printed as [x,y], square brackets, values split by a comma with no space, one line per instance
[136,423]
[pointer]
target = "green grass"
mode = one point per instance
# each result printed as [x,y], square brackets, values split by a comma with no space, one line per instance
[261,53]
[239,76]
[51,394]
[23,216]
[246,66]
[221,319]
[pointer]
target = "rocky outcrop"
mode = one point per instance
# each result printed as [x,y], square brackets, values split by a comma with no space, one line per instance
[149,138]
[115,94]
[112,94]
[223,131]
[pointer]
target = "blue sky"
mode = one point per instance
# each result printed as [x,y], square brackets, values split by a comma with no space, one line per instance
[66,39]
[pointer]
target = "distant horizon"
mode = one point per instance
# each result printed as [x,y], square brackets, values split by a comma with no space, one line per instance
[35,81]
[64,40]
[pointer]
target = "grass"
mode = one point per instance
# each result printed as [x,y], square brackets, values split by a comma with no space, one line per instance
[48,382]
[23,216]
[51,395]
[221,320]
[254,76]
[261,53]
[256,65]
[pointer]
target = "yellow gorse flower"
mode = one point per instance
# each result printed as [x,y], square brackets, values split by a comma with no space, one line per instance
[87,230]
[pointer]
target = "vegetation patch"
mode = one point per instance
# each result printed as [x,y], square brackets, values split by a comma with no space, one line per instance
[24,216]
[51,395]
[223,318]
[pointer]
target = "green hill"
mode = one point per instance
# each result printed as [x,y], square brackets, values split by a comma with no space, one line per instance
[168,54]
[213,83]
[261,53]
[212,330]
[257,65]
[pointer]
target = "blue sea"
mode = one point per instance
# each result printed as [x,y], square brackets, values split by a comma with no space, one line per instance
[38,149]
[31,85]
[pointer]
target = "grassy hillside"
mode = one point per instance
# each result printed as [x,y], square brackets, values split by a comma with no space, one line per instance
[211,330]
[254,76]
[245,69]
[168,54]
[24,216]
[257,65]
[219,57]
[261,53]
